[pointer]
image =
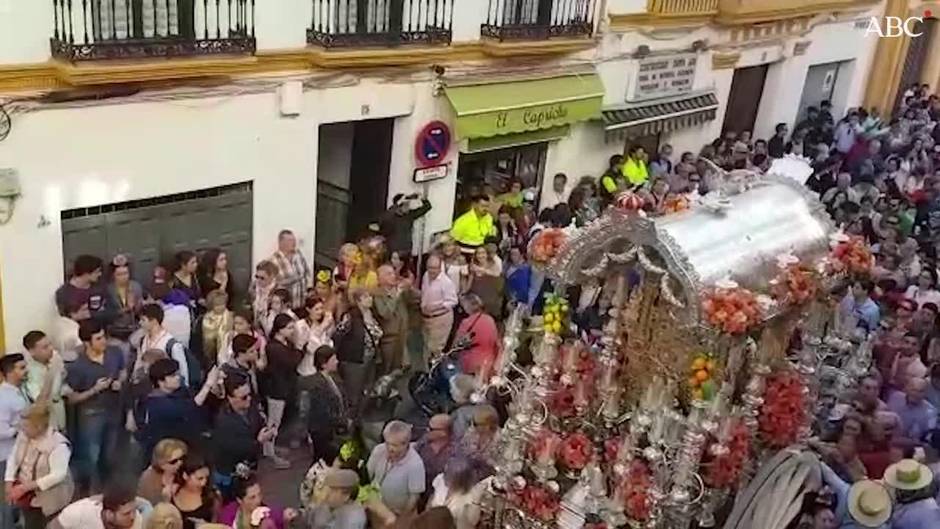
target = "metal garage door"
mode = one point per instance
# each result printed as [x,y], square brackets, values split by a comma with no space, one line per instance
[151,231]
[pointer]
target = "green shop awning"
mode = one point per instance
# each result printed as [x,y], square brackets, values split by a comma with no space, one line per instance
[486,110]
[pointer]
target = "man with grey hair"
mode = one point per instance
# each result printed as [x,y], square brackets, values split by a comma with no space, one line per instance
[397,470]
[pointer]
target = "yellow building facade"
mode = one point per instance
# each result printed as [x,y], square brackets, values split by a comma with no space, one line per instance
[902,60]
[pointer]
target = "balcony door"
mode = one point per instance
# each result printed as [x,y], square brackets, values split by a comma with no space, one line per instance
[143,19]
[747,86]
[916,57]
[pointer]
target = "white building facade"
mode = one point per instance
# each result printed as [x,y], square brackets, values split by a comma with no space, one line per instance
[293,115]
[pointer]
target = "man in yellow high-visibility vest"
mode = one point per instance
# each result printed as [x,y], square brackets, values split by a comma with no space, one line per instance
[471,229]
[634,168]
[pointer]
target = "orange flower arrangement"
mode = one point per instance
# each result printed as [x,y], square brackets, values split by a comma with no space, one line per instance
[675,204]
[629,201]
[795,285]
[731,310]
[853,256]
[784,411]
[546,245]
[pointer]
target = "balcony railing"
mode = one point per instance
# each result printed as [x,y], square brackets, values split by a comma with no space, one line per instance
[135,29]
[539,19]
[362,23]
[682,7]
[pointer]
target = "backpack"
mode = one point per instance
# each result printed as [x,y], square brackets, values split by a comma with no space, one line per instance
[194,367]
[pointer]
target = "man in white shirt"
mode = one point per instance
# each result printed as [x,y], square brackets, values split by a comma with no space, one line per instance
[438,299]
[45,380]
[117,508]
[156,337]
[65,338]
[559,192]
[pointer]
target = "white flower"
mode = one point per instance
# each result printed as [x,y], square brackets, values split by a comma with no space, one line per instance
[765,302]
[785,260]
[837,238]
[726,283]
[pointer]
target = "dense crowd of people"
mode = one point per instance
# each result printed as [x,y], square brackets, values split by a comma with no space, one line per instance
[204,377]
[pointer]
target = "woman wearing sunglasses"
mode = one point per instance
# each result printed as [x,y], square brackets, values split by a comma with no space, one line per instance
[156,483]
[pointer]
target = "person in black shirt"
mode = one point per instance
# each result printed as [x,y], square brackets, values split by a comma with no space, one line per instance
[329,419]
[239,432]
[171,410]
[283,359]
[397,224]
[245,361]
[776,147]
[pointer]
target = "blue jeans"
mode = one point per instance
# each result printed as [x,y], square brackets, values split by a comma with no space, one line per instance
[97,440]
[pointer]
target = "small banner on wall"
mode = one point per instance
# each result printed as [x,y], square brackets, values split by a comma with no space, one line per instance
[429,174]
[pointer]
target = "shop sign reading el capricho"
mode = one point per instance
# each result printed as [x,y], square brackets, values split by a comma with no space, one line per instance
[534,118]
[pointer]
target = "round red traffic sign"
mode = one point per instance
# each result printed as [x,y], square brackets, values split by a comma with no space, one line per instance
[432,143]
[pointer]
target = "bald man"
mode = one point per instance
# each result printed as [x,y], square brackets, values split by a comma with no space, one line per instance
[918,416]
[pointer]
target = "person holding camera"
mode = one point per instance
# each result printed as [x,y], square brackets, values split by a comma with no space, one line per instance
[397,223]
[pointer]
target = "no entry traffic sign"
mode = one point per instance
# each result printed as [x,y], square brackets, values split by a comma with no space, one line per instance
[432,143]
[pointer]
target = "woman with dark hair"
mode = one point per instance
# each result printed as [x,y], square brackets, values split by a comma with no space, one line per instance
[195,498]
[278,303]
[214,274]
[328,420]
[357,339]
[283,359]
[184,277]
[506,231]
[249,497]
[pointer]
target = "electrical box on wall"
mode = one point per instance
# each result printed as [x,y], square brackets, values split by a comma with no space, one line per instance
[290,98]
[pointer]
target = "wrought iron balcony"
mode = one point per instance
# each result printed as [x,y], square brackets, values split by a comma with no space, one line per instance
[136,29]
[539,19]
[381,23]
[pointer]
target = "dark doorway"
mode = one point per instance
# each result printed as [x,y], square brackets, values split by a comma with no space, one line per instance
[916,56]
[747,86]
[352,182]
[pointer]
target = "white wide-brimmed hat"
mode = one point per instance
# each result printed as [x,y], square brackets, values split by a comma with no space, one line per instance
[908,474]
[869,503]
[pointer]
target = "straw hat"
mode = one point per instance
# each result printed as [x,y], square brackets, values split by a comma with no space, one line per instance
[869,503]
[908,474]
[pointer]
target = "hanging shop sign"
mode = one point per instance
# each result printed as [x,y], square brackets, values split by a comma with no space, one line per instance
[432,143]
[665,76]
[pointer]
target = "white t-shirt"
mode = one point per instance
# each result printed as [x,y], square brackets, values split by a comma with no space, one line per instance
[178,353]
[86,514]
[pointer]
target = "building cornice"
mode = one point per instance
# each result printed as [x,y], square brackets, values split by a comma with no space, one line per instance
[769,11]
[55,74]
